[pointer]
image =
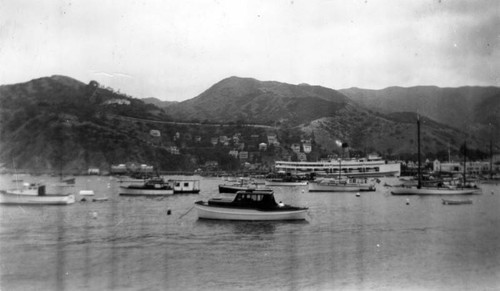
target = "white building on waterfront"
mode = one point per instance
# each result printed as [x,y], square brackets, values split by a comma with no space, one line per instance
[472,168]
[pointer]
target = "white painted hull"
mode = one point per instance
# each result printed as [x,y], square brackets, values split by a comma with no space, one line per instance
[432,191]
[223,213]
[124,191]
[276,183]
[318,187]
[86,192]
[26,192]
[36,200]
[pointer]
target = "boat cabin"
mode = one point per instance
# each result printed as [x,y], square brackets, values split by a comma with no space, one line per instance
[248,199]
[186,186]
[153,183]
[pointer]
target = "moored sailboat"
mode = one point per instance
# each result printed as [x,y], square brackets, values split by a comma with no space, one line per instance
[420,189]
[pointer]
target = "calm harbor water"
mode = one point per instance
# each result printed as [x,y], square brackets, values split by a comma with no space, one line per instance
[371,242]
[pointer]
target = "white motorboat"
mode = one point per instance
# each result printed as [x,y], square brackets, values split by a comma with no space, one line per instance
[249,205]
[28,197]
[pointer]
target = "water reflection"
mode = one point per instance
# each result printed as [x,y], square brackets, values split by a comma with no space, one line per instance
[248,227]
[60,250]
[347,242]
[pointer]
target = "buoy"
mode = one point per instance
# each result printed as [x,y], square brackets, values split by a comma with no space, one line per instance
[407,201]
[357,194]
[302,190]
[169,212]
[492,192]
[94,215]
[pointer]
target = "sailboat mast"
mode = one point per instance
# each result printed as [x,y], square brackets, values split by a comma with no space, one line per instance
[418,145]
[465,160]
[491,155]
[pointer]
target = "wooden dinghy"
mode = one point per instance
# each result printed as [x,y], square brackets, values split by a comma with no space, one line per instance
[456,202]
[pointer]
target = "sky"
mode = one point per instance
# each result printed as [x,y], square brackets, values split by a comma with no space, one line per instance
[175,50]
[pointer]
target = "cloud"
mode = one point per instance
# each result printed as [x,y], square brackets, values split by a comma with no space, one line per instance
[176,49]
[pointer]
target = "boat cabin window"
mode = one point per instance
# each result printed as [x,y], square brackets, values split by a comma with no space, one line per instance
[253,197]
[186,184]
[177,184]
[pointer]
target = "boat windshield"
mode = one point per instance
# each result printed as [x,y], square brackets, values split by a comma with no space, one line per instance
[260,200]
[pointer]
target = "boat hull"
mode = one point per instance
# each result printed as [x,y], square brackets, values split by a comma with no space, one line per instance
[126,191]
[432,191]
[317,187]
[456,202]
[286,184]
[14,199]
[225,213]
[332,185]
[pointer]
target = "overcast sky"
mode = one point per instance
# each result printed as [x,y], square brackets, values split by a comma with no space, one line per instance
[174,50]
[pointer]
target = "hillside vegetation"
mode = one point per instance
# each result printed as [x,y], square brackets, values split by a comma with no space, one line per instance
[58,124]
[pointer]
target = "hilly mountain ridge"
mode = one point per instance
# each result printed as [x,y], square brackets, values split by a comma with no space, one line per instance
[61,124]
[342,111]
[245,99]
[470,109]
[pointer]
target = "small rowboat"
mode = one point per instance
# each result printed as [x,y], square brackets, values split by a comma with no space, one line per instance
[456,202]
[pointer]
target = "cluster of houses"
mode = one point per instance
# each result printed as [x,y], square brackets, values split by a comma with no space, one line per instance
[248,151]
[131,168]
[472,168]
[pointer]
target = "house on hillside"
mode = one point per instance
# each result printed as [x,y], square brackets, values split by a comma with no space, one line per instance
[211,165]
[223,139]
[233,153]
[301,157]
[272,139]
[243,155]
[117,101]
[174,150]
[295,147]
[307,147]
